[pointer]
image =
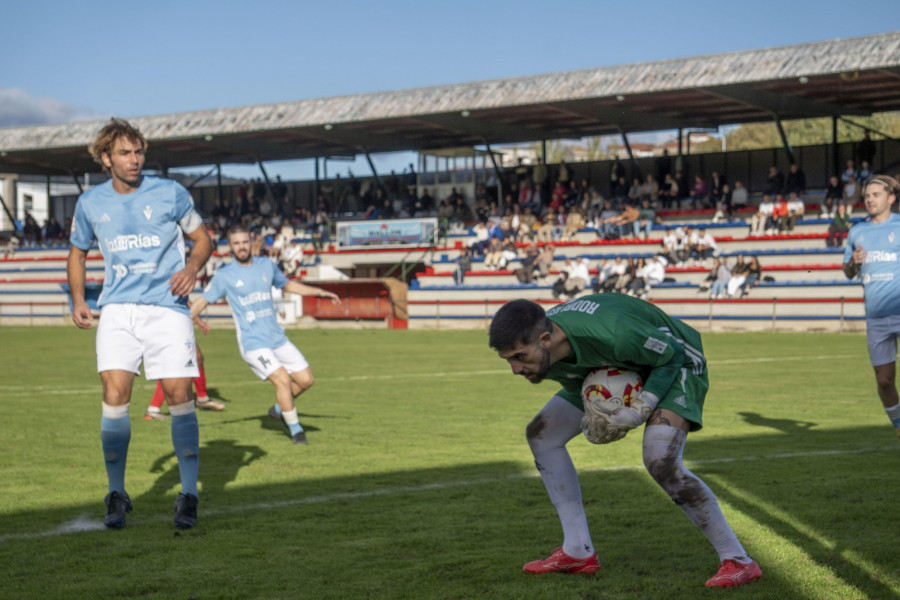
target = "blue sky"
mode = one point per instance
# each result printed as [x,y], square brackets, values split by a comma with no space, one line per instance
[63,60]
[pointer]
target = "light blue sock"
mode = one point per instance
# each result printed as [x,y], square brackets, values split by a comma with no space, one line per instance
[277,408]
[893,413]
[115,435]
[186,441]
[291,420]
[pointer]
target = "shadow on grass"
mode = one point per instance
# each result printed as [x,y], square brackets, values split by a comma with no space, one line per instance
[472,526]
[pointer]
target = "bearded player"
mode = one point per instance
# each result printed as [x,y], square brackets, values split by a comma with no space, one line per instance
[247,283]
[565,344]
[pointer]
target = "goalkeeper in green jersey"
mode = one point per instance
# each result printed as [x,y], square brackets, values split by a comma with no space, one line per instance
[614,330]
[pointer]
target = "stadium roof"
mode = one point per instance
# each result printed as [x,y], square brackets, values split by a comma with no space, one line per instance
[857,76]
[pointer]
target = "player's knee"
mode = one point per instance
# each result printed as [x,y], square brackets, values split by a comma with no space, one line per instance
[302,381]
[534,431]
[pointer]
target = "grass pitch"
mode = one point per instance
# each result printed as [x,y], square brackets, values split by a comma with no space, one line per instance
[417,482]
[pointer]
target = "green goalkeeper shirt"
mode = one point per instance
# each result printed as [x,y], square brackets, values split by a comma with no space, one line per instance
[615,330]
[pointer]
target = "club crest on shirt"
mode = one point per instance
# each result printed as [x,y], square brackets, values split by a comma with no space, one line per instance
[148,212]
[891,237]
[265,278]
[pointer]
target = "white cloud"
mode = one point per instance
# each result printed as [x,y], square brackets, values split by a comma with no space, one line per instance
[18,108]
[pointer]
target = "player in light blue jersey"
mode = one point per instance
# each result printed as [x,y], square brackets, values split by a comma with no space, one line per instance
[247,283]
[138,223]
[873,254]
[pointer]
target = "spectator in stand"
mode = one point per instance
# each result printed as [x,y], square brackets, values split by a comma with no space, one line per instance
[558,196]
[738,276]
[722,275]
[852,192]
[605,227]
[574,222]
[754,274]
[634,192]
[616,173]
[839,227]
[865,172]
[849,172]
[834,195]
[865,149]
[528,270]
[509,253]
[463,266]
[608,275]
[780,214]
[739,197]
[482,238]
[539,176]
[625,219]
[579,276]
[52,231]
[652,273]
[279,193]
[544,261]
[706,247]
[31,231]
[493,255]
[631,268]
[663,165]
[723,205]
[645,221]
[796,181]
[774,182]
[668,193]
[650,190]
[672,247]
[526,225]
[716,188]
[698,193]
[549,228]
[796,209]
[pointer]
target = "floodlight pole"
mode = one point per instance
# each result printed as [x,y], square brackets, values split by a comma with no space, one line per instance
[637,167]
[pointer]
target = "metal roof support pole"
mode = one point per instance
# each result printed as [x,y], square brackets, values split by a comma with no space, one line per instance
[680,135]
[835,161]
[637,167]
[265,176]
[75,179]
[199,179]
[9,215]
[544,150]
[784,140]
[316,187]
[500,191]
[372,166]
[219,181]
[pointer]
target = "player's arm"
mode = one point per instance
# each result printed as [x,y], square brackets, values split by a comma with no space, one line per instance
[197,307]
[302,289]
[851,267]
[182,283]
[75,272]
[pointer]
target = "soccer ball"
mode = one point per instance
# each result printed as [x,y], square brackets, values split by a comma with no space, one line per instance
[608,388]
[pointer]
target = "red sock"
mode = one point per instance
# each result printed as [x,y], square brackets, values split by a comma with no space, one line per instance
[158,396]
[200,383]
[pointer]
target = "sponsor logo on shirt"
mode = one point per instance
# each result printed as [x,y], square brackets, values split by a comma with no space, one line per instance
[121,271]
[655,345]
[131,242]
[880,256]
[254,297]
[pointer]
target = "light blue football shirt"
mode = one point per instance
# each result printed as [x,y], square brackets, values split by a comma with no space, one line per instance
[140,238]
[249,292]
[880,274]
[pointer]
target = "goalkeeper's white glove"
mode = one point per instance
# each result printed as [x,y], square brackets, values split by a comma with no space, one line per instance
[631,417]
[598,430]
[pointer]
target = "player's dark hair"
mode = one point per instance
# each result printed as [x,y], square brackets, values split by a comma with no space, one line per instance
[891,185]
[236,228]
[518,322]
[106,139]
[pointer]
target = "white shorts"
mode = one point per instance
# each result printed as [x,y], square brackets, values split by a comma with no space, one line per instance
[881,335]
[266,361]
[162,337]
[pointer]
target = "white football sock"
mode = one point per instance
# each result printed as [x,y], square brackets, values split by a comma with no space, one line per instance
[556,424]
[663,450]
[893,413]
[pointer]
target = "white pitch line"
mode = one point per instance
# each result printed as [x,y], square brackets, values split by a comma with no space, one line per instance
[83,523]
[19,391]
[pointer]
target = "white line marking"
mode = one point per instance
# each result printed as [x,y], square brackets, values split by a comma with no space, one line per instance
[20,391]
[83,523]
